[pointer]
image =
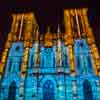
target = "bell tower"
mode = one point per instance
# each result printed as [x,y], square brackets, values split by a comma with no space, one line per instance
[50,66]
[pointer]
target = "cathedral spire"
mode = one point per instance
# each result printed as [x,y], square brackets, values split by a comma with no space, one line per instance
[59,61]
[37,33]
[48,29]
[48,38]
[36,60]
[58,31]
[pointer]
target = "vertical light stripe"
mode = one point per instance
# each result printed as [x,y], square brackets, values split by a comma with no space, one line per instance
[77,21]
[20,32]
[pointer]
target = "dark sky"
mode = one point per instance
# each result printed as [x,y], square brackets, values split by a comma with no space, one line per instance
[48,12]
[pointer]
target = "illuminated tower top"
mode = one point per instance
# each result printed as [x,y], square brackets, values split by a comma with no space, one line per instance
[25,28]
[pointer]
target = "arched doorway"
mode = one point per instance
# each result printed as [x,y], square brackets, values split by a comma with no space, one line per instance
[48,90]
[12,91]
[87,90]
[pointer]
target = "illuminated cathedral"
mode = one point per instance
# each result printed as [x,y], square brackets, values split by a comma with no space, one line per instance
[50,66]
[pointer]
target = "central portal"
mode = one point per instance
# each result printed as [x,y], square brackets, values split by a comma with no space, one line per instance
[48,90]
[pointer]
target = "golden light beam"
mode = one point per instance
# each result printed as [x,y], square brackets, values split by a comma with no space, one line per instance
[20,32]
[77,22]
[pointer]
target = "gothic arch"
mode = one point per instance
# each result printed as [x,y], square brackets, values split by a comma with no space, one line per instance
[15,57]
[82,52]
[48,90]
[87,90]
[7,83]
[52,80]
[31,57]
[90,64]
[12,91]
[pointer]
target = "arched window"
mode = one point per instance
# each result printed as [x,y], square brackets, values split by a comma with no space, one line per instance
[66,61]
[87,90]
[78,65]
[48,90]
[89,61]
[32,62]
[20,62]
[10,65]
[12,91]
[90,69]
[78,62]
[48,60]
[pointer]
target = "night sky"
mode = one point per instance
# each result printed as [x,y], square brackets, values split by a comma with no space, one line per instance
[47,12]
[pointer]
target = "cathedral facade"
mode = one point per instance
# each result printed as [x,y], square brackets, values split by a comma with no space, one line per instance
[50,66]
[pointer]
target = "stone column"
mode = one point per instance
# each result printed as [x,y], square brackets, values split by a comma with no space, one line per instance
[68,39]
[7,46]
[91,42]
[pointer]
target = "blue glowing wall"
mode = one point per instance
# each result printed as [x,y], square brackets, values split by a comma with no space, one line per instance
[49,84]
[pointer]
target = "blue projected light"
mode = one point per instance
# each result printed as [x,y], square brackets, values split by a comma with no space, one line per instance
[48,90]
[43,82]
[83,57]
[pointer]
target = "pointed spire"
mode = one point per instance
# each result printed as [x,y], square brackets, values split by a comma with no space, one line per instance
[48,29]
[58,31]
[37,32]
[34,28]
